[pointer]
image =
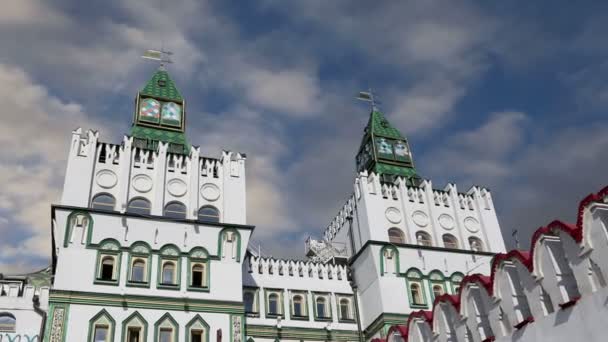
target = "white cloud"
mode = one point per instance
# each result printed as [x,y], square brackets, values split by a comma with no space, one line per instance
[35,136]
[290,91]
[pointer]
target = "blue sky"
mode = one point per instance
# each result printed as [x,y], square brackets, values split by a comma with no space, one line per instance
[508,95]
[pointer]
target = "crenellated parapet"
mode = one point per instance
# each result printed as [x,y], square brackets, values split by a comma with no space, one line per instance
[420,214]
[277,268]
[124,172]
[562,278]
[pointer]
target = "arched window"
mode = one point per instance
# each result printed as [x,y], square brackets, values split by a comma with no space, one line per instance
[103,202]
[344,308]
[424,239]
[107,268]
[321,308]
[475,244]
[298,305]
[175,210]
[249,300]
[416,294]
[450,241]
[8,322]
[140,206]
[138,271]
[168,275]
[198,276]
[395,235]
[437,290]
[273,304]
[209,213]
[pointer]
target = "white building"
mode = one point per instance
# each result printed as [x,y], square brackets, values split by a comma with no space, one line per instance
[150,244]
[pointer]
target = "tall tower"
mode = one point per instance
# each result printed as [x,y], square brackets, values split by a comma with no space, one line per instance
[150,236]
[407,242]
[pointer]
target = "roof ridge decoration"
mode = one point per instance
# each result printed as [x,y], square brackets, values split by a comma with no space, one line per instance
[578,234]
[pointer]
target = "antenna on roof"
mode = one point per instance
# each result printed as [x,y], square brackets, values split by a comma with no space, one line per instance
[368,96]
[162,56]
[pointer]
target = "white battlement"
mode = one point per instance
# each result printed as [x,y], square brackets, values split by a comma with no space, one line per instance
[378,206]
[562,278]
[126,172]
[14,295]
[296,268]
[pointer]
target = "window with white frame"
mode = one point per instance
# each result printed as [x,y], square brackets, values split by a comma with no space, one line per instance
[108,263]
[450,241]
[395,235]
[198,262]
[273,303]
[166,329]
[423,239]
[134,328]
[101,327]
[322,308]
[298,305]
[475,244]
[345,308]
[169,267]
[139,261]
[8,322]
[197,330]
[250,300]
[414,282]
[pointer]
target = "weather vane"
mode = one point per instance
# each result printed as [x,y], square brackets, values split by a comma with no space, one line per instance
[368,96]
[163,56]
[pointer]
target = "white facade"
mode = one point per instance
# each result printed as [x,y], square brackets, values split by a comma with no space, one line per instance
[153,246]
[22,310]
[555,292]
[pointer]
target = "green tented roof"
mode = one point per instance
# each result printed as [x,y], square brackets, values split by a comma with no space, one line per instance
[161,85]
[379,126]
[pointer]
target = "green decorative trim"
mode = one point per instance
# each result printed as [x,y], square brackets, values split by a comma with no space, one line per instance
[232,327]
[145,302]
[169,252]
[197,319]
[125,323]
[454,282]
[280,308]
[439,280]
[114,251]
[92,321]
[304,295]
[221,239]
[396,251]
[354,258]
[419,278]
[172,322]
[199,255]
[382,320]
[69,229]
[293,333]
[69,208]
[49,322]
[327,297]
[133,254]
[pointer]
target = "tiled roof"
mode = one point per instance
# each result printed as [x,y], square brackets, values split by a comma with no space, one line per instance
[161,85]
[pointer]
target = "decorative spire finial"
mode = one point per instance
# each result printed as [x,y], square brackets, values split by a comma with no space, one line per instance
[162,56]
[368,96]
